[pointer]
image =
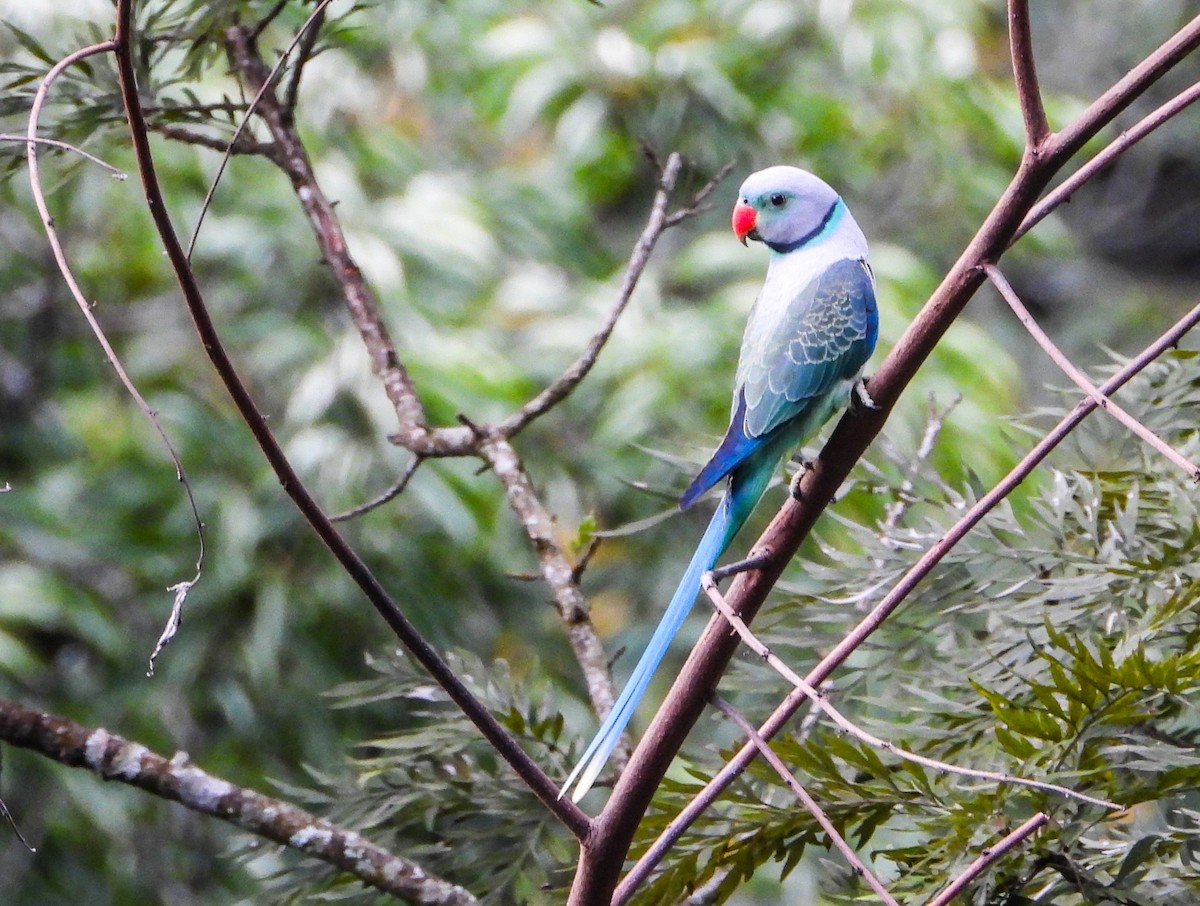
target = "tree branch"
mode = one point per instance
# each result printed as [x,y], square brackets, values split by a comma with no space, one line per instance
[111,757]
[355,568]
[987,858]
[1014,302]
[238,145]
[359,299]
[659,221]
[558,572]
[1029,95]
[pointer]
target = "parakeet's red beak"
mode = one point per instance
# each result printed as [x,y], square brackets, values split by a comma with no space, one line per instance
[744,220]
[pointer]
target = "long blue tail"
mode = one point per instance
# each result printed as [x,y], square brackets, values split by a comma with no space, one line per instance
[731,513]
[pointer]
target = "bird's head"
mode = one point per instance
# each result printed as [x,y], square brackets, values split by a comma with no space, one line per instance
[783,207]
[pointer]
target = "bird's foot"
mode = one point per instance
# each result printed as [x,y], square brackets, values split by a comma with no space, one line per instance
[860,398]
[755,561]
[806,466]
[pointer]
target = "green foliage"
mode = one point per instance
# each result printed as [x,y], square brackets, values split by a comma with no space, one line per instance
[486,160]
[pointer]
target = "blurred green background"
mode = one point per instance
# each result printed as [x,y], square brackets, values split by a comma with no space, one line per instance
[486,160]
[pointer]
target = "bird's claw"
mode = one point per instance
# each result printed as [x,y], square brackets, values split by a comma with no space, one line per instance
[860,398]
[806,466]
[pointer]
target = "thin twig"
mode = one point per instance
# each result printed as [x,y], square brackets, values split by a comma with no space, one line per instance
[266,20]
[817,676]
[1014,302]
[1107,155]
[182,588]
[810,805]
[987,858]
[244,145]
[237,133]
[390,494]
[699,201]
[64,146]
[821,701]
[114,758]
[496,734]
[570,378]
[933,428]
[10,820]
[1024,65]
[308,41]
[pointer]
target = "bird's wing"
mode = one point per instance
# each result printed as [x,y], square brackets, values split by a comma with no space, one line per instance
[822,338]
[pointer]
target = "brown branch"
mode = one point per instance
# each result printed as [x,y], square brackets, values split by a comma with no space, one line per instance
[1121,143]
[817,676]
[558,572]
[308,41]
[390,494]
[805,799]
[245,120]
[240,144]
[359,299]
[987,858]
[111,757]
[182,588]
[355,568]
[1080,379]
[604,851]
[570,379]
[1029,95]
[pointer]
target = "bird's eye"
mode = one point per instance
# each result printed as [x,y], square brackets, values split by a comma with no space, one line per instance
[778,200]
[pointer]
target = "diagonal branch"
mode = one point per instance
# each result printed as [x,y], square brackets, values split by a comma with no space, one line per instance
[1014,302]
[355,568]
[249,111]
[987,858]
[659,221]
[1123,142]
[112,757]
[64,146]
[735,766]
[379,500]
[359,299]
[570,379]
[559,573]
[806,800]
